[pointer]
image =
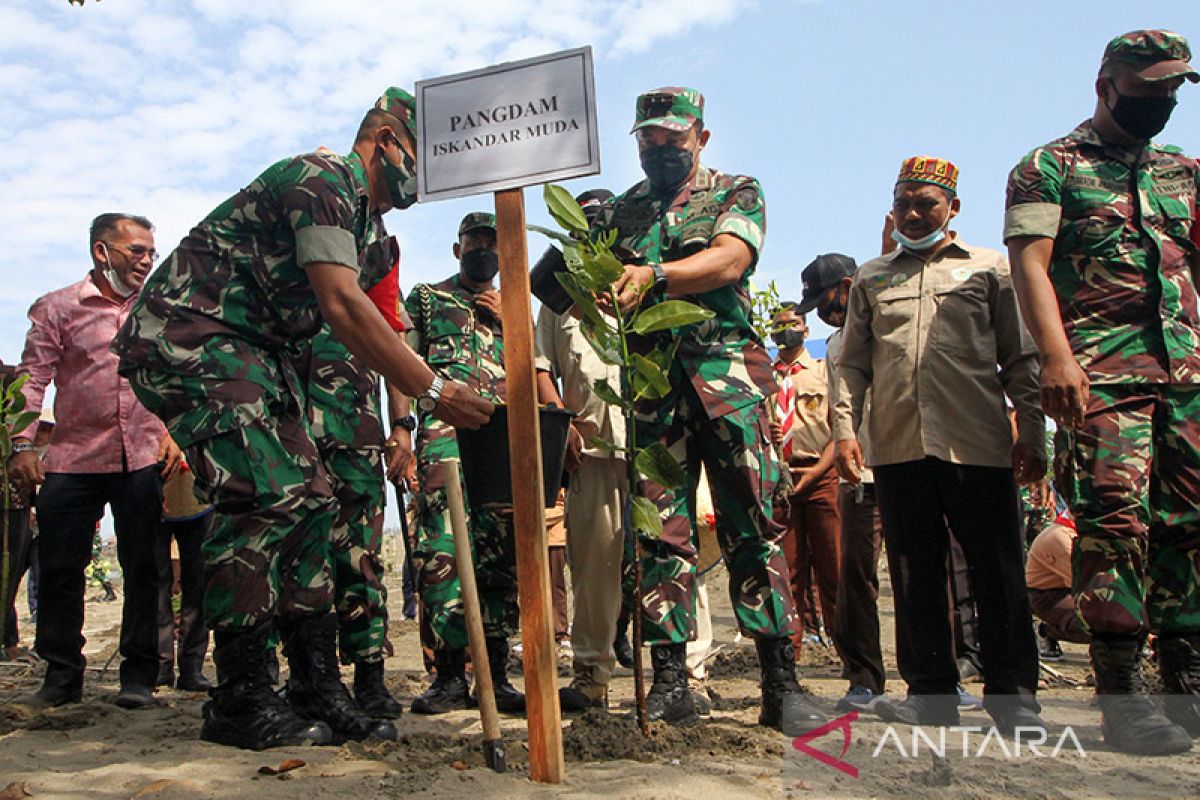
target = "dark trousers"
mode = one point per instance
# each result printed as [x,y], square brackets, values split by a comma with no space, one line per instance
[68,508]
[917,500]
[857,631]
[19,538]
[192,640]
[966,621]
[810,545]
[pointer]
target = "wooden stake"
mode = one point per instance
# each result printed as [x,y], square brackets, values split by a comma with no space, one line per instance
[529,521]
[493,747]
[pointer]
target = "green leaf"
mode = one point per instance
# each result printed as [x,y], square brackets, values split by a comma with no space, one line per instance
[669,314]
[564,209]
[605,445]
[5,446]
[663,357]
[644,517]
[23,421]
[601,338]
[652,375]
[608,394]
[603,265]
[561,238]
[15,404]
[583,300]
[14,388]
[656,463]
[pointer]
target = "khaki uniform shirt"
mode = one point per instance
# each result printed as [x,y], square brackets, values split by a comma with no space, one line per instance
[939,343]
[562,351]
[810,428]
[833,352]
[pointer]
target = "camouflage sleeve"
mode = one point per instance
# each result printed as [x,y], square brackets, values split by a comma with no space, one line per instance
[320,205]
[416,319]
[1034,203]
[744,215]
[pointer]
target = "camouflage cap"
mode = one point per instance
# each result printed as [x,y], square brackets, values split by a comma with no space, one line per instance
[401,105]
[927,169]
[476,220]
[675,108]
[1154,55]
[824,271]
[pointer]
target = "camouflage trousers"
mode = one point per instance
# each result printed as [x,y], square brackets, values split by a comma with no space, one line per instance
[360,597]
[444,624]
[742,472]
[268,552]
[1131,475]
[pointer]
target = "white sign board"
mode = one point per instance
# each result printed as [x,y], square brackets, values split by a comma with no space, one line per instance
[514,124]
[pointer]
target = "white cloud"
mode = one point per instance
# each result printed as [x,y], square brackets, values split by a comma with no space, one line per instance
[164,109]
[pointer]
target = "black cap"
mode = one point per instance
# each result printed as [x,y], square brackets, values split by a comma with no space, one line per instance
[591,201]
[825,271]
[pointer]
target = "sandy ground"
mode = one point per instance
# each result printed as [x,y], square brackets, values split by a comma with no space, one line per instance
[96,750]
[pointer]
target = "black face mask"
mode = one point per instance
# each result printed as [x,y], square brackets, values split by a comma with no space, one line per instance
[788,338]
[1142,117]
[666,166]
[480,264]
[834,306]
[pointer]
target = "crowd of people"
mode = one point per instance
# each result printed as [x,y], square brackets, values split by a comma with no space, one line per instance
[236,387]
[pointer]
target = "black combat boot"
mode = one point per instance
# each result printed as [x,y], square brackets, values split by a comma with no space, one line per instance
[508,699]
[315,687]
[244,710]
[370,692]
[784,706]
[1179,663]
[1129,721]
[449,689]
[669,698]
[622,649]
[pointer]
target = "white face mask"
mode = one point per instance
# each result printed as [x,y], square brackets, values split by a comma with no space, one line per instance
[925,242]
[114,280]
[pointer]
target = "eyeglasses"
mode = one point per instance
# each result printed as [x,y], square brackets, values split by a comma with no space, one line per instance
[137,251]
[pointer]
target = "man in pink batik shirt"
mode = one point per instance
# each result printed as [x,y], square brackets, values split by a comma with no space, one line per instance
[107,450]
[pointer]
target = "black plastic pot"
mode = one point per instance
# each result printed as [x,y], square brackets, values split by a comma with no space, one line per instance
[486,469]
[545,286]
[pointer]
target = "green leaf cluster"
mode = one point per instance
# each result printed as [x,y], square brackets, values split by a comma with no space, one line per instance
[592,271]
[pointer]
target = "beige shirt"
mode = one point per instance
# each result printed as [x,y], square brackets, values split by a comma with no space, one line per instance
[939,344]
[833,352]
[810,427]
[562,351]
[1048,565]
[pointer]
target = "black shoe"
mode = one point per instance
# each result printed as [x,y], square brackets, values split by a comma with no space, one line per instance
[192,682]
[784,705]
[1128,720]
[1008,720]
[244,710]
[1179,664]
[583,693]
[166,676]
[449,689]
[701,700]
[508,698]
[132,696]
[968,670]
[52,695]
[920,709]
[315,688]
[623,649]
[370,692]
[669,698]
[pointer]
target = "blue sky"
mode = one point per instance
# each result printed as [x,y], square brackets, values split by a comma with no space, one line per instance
[165,108]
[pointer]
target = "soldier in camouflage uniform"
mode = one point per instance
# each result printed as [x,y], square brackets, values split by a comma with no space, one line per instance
[456,329]
[218,345]
[344,412]
[689,231]
[1101,226]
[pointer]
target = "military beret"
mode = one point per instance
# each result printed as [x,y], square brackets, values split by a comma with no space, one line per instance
[1154,55]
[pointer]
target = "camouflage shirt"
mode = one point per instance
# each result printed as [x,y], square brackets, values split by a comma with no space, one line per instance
[723,358]
[232,305]
[1121,218]
[458,340]
[343,393]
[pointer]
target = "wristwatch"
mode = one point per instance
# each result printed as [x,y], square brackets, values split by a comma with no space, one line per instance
[659,286]
[428,401]
[409,423]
